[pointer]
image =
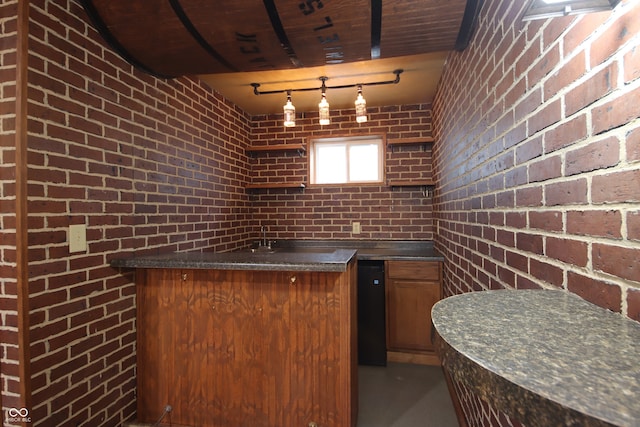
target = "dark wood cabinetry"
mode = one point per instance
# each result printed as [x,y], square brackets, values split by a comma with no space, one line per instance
[413,287]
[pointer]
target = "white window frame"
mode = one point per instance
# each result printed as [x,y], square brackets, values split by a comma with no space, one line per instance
[349,141]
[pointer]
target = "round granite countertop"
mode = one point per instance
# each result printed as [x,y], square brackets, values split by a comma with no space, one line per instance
[551,358]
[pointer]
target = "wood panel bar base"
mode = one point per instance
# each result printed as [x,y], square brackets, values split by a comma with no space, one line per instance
[231,348]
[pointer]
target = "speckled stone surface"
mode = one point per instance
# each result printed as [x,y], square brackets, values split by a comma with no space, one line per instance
[291,255]
[544,357]
[330,260]
[376,250]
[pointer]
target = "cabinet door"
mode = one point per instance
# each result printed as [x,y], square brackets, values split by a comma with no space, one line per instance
[409,305]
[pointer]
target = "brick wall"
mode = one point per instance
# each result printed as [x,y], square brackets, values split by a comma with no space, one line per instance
[537,159]
[328,212]
[9,377]
[147,165]
[478,412]
[537,156]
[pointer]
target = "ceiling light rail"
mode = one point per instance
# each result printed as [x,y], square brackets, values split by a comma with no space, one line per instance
[289,110]
[323,79]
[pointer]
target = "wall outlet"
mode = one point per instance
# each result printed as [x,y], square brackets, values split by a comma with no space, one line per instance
[77,238]
[355,228]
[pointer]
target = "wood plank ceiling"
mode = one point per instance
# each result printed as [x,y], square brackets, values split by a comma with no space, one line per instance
[231,43]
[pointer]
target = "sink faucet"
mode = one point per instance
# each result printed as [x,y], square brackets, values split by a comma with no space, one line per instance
[264,235]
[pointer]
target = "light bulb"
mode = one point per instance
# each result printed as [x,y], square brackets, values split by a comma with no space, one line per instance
[323,108]
[361,107]
[289,113]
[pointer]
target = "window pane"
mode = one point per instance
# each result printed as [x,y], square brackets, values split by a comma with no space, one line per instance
[363,162]
[331,164]
[345,160]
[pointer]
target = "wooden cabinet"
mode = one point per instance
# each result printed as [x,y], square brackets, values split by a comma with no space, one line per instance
[412,288]
[229,348]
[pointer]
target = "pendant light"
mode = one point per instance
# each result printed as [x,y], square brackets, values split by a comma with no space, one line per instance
[323,106]
[289,112]
[361,107]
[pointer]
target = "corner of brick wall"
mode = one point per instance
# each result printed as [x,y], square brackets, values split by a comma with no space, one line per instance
[537,167]
[328,212]
[538,161]
[149,166]
[10,377]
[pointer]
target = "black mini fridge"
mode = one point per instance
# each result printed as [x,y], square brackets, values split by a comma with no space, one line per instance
[372,342]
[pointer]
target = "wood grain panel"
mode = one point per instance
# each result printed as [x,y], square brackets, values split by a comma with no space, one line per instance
[150,32]
[240,31]
[409,26]
[325,32]
[234,348]
[410,319]
[411,290]
[183,37]
[418,270]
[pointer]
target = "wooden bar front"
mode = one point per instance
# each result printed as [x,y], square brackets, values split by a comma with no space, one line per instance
[247,348]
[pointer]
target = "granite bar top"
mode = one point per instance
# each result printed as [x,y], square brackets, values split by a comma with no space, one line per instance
[544,357]
[291,255]
[329,260]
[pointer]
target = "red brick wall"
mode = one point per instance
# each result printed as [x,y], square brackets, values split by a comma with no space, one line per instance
[478,412]
[9,378]
[537,159]
[149,166]
[328,212]
[153,166]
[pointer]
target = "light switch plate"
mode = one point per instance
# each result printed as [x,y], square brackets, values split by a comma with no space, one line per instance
[77,238]
[355,228]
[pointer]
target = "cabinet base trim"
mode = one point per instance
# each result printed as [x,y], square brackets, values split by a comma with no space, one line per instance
[415,358]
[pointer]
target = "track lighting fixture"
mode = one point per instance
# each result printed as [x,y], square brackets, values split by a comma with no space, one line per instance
[323,106]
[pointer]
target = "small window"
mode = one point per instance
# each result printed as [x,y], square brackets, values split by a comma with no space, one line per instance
[353,160]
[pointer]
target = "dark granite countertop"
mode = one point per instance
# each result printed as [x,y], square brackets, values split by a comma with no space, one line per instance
[408,250]
[545,357]
[330,260]
[290,255]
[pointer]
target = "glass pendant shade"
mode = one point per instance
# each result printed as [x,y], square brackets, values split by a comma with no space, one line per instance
[361,107]
[323,109]
[289,113]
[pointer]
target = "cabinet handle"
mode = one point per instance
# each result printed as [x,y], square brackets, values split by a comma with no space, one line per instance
[293,279]
[184,277]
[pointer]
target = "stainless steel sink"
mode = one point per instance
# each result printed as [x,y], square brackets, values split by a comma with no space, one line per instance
[292,250]
[303,250]
[262,250]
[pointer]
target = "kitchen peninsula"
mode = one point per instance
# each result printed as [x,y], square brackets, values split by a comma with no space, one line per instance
[543,357]
[247,339]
